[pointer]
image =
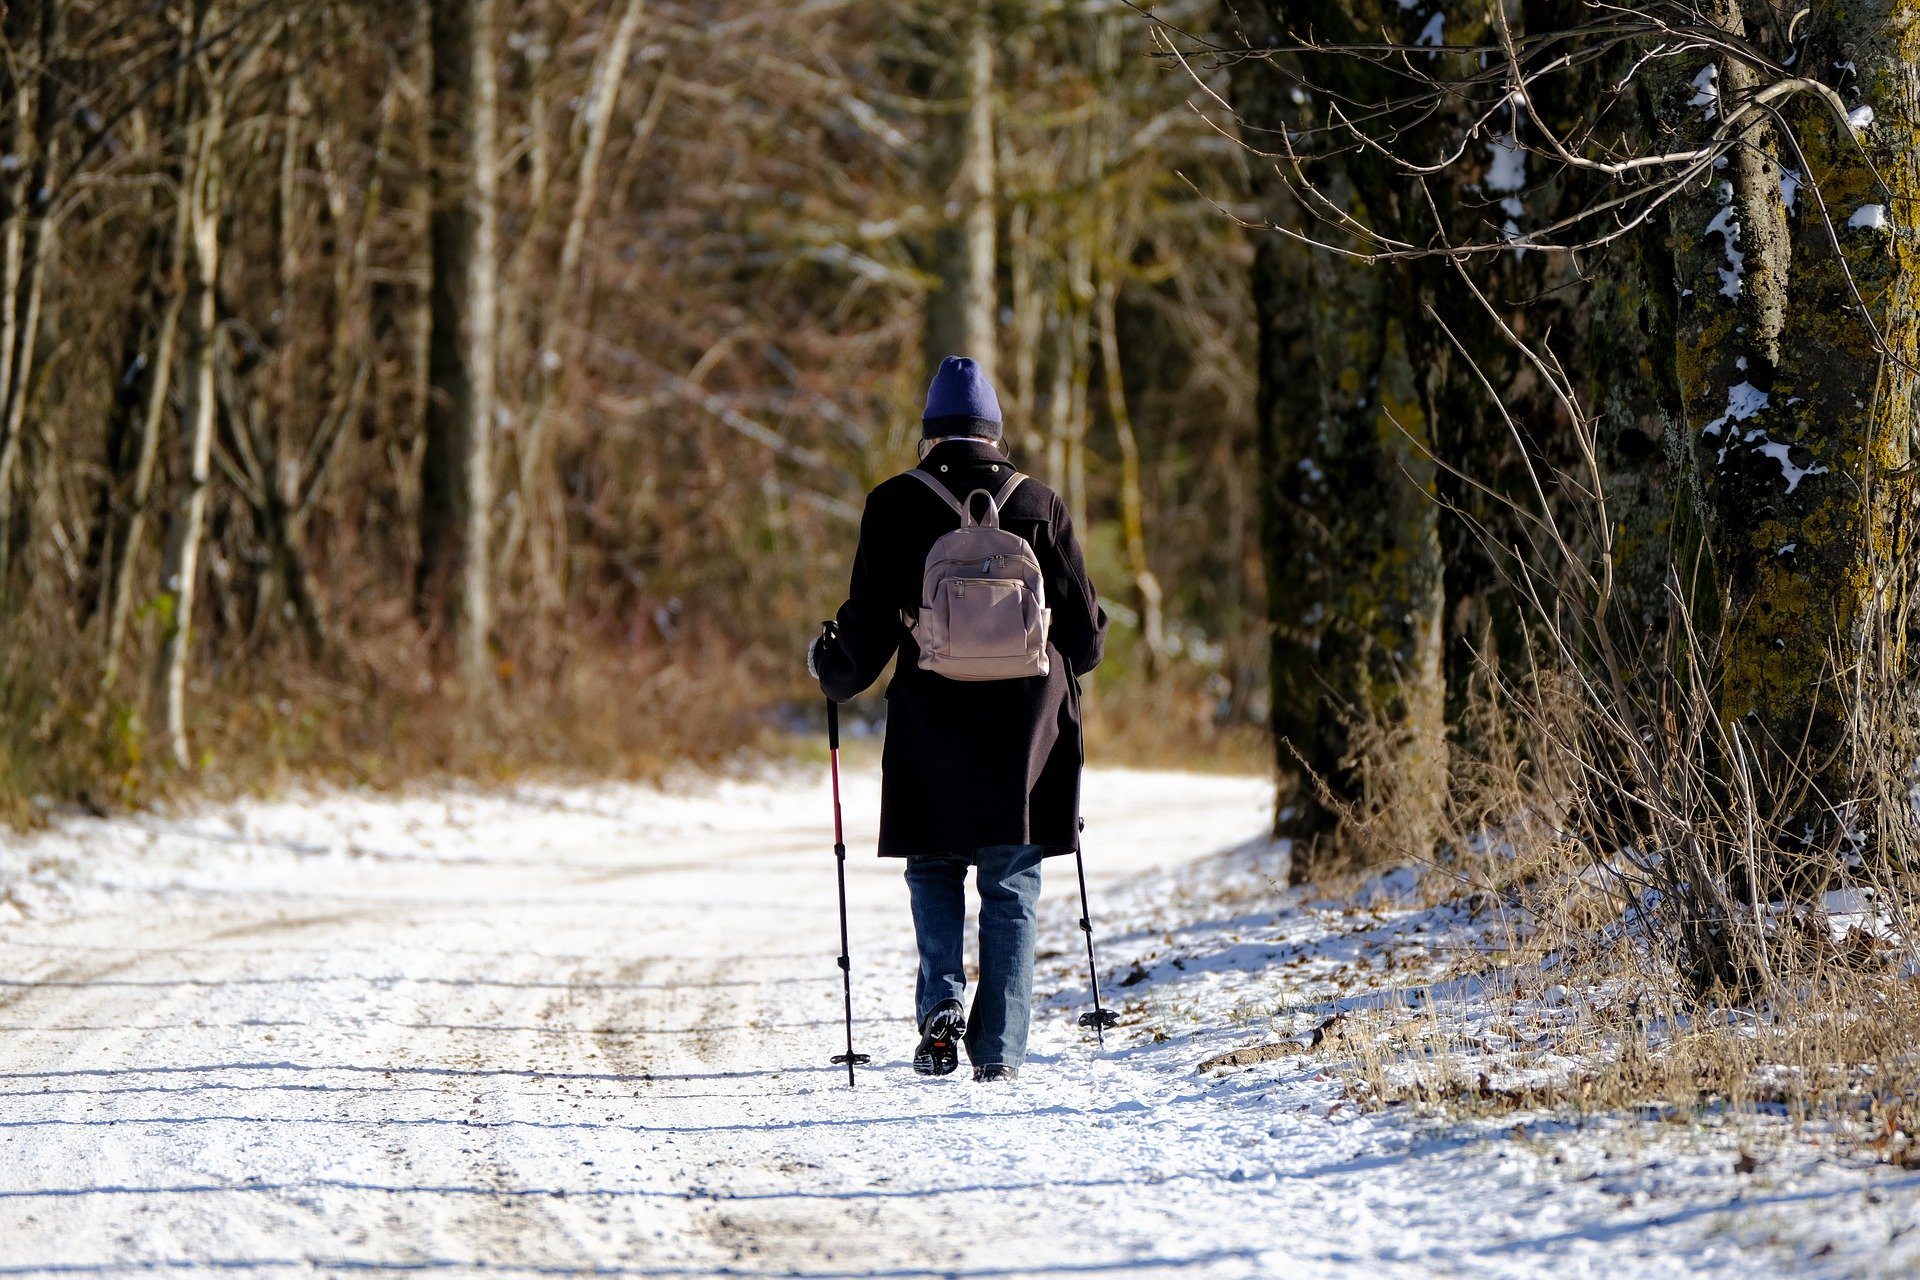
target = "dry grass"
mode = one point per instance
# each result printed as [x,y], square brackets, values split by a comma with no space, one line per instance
[1170,724]
[377,717]
[1843,1054]
[1579,990]
[1677,908]
[378,714]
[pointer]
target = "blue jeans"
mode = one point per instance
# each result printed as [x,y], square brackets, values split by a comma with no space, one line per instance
[1008,878]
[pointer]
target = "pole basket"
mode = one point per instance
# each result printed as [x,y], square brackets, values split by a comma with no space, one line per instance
[855,1059]
[1099,1019]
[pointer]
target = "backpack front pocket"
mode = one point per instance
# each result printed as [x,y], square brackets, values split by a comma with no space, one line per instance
[986,617]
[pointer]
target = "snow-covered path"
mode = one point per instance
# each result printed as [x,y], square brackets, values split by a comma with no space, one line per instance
[580,1029]
[585,1032]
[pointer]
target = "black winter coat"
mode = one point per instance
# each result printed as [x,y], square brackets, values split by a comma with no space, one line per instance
[967,764]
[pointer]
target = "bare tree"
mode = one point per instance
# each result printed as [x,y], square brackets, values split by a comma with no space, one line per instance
[530,522]
[204,197]
[962,311]
[713,223]
[147,411]
[34,36]
[456,483]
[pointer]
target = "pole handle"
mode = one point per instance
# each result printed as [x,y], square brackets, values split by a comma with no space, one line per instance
[830,630]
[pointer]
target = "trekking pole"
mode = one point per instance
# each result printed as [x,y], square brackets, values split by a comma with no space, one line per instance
[1098,1018]
[850,1058]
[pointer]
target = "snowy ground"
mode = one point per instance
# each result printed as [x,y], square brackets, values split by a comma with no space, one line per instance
[584,1031]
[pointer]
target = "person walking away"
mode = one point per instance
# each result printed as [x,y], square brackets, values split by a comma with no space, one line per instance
[989,633]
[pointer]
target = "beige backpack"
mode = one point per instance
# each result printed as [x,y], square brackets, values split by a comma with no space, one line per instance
[983,605]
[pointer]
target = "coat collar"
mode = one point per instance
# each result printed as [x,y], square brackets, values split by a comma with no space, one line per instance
[953,451]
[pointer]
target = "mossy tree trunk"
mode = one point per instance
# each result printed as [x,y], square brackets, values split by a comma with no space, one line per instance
[1797,356]
[1351,524]
[1605,315]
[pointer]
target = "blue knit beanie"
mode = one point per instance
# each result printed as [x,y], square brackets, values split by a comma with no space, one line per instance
[960,402]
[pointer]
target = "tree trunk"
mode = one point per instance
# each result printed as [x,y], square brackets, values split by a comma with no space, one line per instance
[1074,348]
[1029,316]
[1351,525]
[1146,587]
[456,479]
[29,236]
[961,311]
[536,495]
[153,407]
[1106,140]
[1800,368]
[180,570]
[1059,390]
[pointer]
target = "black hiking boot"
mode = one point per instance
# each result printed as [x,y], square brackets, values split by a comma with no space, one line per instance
[995,1071]
[939,1051]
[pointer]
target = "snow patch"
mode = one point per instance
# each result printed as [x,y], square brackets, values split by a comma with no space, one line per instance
[1507,171]
[1398,887]
[1871,216]
[1726,224]
[1783,455]
[1851,909]
[1743,401]
[1506,164]
[1706,90]
[1789,186]
[1860,117]
[1434,34]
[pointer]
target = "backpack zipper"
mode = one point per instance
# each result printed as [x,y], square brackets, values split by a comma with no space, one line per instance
[991,560]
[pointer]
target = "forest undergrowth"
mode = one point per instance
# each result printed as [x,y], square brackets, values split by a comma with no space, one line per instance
[380,715]
[1706,963]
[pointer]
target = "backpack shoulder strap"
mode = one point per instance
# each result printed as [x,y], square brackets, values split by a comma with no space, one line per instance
[1006,490]
[940,489]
